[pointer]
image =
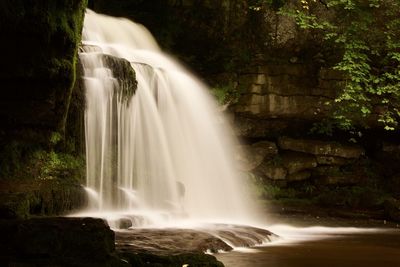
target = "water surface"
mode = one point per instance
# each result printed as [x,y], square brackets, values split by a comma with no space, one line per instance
[322,246]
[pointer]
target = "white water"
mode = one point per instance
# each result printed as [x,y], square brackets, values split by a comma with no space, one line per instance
[169,138]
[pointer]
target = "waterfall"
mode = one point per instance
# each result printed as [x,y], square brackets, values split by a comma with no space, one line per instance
[164,150]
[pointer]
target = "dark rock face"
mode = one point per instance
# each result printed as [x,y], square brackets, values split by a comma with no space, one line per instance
[219,26]
[37,74]
[38,70]
[20,199]
[57,242]
[124,73]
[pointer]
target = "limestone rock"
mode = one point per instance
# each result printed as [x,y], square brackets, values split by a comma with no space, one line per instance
[333,175]
[323,148]
[339,180]
[272,171]
[253,155]
[124,73]
[257,127]
[278,106]
[124,223]
[330,74]
[299,176]
[295,162]
[330,160]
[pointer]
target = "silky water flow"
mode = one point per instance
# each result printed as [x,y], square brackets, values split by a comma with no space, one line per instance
[164,153]
[163,156]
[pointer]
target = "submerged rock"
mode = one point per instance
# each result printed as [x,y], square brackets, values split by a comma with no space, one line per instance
[177,247]
[168,247]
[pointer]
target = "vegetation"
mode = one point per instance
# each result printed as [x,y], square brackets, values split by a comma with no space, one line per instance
[226,94]
[364,36]
[367,36]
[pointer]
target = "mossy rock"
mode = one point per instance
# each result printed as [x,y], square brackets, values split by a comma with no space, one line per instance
[40,43]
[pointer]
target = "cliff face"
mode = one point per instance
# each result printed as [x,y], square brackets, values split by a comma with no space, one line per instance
[278,78]
[40,41]
[40,155]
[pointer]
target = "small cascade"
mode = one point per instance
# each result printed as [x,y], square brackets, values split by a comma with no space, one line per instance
[161,152]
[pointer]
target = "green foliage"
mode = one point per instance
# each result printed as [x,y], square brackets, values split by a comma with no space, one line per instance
[226,94]
[55,138]
[367,36]
[265,190]
[53,165]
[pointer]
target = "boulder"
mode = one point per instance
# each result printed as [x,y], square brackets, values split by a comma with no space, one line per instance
[323,148]
[272,171]
[57,242]
[252,155]
[295,162]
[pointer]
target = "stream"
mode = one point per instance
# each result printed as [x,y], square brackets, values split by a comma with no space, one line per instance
[370,245]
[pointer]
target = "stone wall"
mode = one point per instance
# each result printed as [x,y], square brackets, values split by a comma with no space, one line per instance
[291,160]
[283,97]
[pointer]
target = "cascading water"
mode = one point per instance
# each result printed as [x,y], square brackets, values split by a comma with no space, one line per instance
[164,151]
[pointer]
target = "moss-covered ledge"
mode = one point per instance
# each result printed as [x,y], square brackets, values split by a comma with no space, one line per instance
[40,155]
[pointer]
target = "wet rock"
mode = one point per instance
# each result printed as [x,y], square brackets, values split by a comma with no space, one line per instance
[295,162]
[168,241]
[124,223]
[253,155]
[272,171]
[317,147]
[278,106]
[57,242]
[176,247]
[124,73]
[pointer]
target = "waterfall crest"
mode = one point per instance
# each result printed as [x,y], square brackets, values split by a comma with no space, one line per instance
[163,152]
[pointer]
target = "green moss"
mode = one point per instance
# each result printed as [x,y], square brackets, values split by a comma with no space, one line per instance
[53,165]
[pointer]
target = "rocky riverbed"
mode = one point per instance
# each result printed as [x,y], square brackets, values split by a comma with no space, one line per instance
[60,241]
